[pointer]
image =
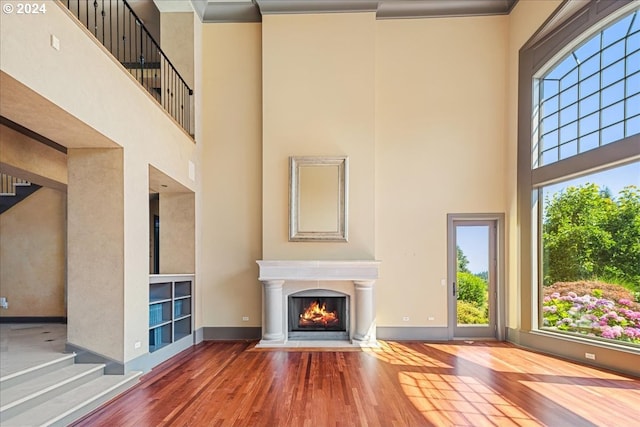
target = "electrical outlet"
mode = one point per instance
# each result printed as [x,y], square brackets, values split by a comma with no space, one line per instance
[245,318]
[137,344]
[405,319]
[590,356]
[431,318]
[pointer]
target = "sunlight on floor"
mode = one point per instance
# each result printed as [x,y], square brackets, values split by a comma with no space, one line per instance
[566,395]
[398,354]
[495,358]
[460,401]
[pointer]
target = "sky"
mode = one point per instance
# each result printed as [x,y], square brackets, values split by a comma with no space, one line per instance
[474,242]
[614,179]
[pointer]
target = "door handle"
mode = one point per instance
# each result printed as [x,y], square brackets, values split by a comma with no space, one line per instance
[454,289]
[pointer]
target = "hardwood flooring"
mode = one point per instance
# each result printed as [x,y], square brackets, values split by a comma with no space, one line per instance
[400,384]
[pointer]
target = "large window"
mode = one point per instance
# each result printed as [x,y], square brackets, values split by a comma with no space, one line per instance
[590,240]
[584,177]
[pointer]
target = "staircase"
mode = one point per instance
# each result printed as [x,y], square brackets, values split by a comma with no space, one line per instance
[13,191]
[58,392]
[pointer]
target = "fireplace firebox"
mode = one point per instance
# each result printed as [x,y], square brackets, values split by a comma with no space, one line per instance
[317,316]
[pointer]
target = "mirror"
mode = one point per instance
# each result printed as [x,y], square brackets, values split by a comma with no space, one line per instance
[318,198]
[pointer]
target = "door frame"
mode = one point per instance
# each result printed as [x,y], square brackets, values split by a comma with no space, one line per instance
[500,297]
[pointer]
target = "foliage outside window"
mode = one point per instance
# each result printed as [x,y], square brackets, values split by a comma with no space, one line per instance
[589,227]
[591,256]
[473,295]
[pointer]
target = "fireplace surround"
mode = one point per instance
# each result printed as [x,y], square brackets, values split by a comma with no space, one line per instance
[353,280]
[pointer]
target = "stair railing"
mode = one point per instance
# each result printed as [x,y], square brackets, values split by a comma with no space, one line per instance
[8,184]
[119,29]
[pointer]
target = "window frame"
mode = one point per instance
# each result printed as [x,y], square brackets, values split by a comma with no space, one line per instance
[542,52]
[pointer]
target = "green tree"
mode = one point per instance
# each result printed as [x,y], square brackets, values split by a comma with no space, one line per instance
[463,262]
[625,231]
[472,288]
[587,235]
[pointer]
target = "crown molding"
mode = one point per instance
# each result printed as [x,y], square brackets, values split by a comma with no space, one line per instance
[410,9]
[279,7]
[253,10]
[211,11]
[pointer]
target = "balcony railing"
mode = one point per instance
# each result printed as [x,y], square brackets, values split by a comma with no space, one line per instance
[119,29]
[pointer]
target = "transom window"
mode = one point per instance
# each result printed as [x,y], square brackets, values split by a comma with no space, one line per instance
[591,97]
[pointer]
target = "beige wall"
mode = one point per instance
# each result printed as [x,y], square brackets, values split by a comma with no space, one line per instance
[32,255]
[95,250]
[440,148]
[229,128]
[318,99]
[524,20]
[33,233]
[176,30]
[177,233]
[23,157]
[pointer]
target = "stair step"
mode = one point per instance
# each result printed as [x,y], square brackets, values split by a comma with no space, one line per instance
[37,371]
[70,406]
[22,396]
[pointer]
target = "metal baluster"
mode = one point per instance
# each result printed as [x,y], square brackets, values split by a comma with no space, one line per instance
[102,13]
[95,18]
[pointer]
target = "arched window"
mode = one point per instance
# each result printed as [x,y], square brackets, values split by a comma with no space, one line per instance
[579,175]
[591,97]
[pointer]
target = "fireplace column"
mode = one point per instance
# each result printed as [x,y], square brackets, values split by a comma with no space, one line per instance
[365,329]
[273,311]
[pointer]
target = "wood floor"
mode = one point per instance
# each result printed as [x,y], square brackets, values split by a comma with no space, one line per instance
[401,384]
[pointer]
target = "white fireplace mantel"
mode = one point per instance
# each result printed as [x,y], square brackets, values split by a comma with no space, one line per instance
[282,278]
[318,270]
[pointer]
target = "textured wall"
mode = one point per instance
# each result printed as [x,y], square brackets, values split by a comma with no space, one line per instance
[26,158]
[95,255]
[177,233]
[32,255]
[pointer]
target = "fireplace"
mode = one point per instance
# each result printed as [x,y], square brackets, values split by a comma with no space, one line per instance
[342,289]
[318,315]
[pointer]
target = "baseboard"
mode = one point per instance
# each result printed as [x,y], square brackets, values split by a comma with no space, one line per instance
[230,333]
[198,336]
[33,319]
[416,333]
[620,359]
[83,355]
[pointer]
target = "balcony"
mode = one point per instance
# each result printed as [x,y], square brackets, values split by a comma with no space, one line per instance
[117,27]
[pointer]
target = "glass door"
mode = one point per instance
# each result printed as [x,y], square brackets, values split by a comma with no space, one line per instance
[472,273]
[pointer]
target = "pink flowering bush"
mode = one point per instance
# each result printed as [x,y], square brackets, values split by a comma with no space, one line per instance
[592,315]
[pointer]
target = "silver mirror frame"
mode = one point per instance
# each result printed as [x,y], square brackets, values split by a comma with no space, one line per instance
[341,234]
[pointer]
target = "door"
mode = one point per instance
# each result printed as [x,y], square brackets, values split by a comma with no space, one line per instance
[473,290]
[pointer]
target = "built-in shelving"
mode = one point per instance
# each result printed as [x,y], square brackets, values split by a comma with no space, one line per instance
[170,309]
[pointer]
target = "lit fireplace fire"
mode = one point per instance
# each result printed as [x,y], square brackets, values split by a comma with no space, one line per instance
[317,315]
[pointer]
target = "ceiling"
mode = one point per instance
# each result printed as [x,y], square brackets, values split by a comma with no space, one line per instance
[253,10]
